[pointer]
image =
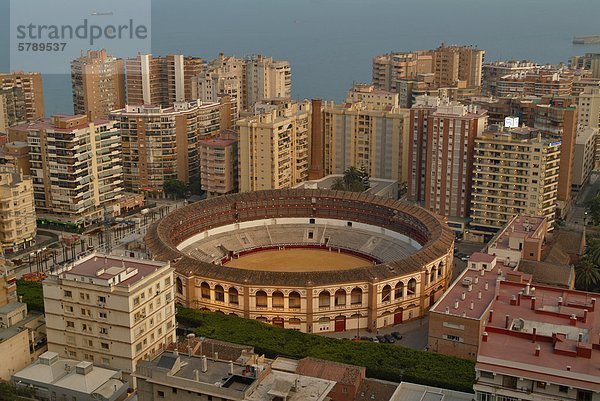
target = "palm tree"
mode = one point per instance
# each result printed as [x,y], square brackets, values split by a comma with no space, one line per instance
[587,275]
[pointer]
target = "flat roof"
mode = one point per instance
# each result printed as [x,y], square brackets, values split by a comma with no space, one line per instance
[118,270]
[567,328]
[280,383]
[418,392]
[523,226]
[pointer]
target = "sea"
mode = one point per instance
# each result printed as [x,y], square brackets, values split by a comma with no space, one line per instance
[330,43]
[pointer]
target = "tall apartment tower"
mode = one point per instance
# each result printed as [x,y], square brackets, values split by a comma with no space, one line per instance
[76,166]
[112,311]
[21,98]
[368,131]
[389,68]
[266,79]
[588,115]
[458,65]
[515,171]
[17,211]
[98,82]
[219,163]
[251,80]
[557,118]
[162,80]
[161,143]
[449,139]
[274,147]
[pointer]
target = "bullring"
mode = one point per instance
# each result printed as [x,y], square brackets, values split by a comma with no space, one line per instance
[407,253]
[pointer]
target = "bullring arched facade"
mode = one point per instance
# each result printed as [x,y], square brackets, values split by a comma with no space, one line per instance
[355,299]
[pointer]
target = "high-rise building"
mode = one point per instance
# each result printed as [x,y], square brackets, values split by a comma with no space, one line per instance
[441,143]
[76,167]
[219,163]
[557,117]
[251,80]
[161,143]
[111,311]
[98,82]
[458,66]
[493,71]
[274,147]
[368,131]
[21,98]
[515,171]
[17,212]
[538,82]
[584,156]
[390,68]
[588,108]
[162,81]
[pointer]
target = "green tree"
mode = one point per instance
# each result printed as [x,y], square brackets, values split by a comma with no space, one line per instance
[354,180]
[593,206]
[175,188]
[587,275]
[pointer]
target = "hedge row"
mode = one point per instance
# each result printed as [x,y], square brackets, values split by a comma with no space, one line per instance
[383,361]
[32,294]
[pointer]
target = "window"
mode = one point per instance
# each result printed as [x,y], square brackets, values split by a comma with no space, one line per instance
[205,290]
[386,293]
[261,299]
[70,324]
[277,299]
[540,384]
[102,315]
[583,395]
[324,299]
[509,381]
[102,299]
[485,374]
[104,345]
[103,330]
[68,309]
[481,396]
[138,347]
[356,296]
[73,354]
[160,394]
[233,296]
[168,281]
[136,300]
[105,361]
[68,294]
[90,343]
[294,300]
[563,389]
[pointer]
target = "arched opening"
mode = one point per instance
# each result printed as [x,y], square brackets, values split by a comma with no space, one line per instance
[412,287]
[340,298]
[386,293]
[261,299]
[324,299]
[399,290]
[262,319]
[179,285]
[233,314]
[220,312]
[233,296]
[277,299]
[205,290]
[356,296]
[440,271]
[278,321]
[294,323]
[432,275]
[219,293]
[294,300]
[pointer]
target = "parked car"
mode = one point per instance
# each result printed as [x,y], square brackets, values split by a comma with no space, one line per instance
[366,339]
[397,335]
[464,258]
[375,339]
[390,338]
[382,339]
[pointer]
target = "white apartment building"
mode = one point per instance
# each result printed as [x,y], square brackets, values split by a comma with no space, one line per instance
[111,311]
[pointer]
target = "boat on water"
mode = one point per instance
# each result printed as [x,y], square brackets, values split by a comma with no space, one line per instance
[96,13]
[586,40]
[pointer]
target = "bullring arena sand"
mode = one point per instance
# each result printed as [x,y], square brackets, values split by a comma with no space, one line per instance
[298,260]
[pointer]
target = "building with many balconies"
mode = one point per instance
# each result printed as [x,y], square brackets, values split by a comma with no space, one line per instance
[17,211]
[111,311]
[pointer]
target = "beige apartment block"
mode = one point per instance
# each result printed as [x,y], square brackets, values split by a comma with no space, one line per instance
[458,66]
[538,82]
[16,154]
[368,131]
[390,68]
[584,156]
[162,80]
[161,143]
[17,211]
[274,147]
[98,82]
[111,311]
[76,168]
[219,164]
[23,98]
[250,80]
[515,171]
[493,71]
[588,114]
